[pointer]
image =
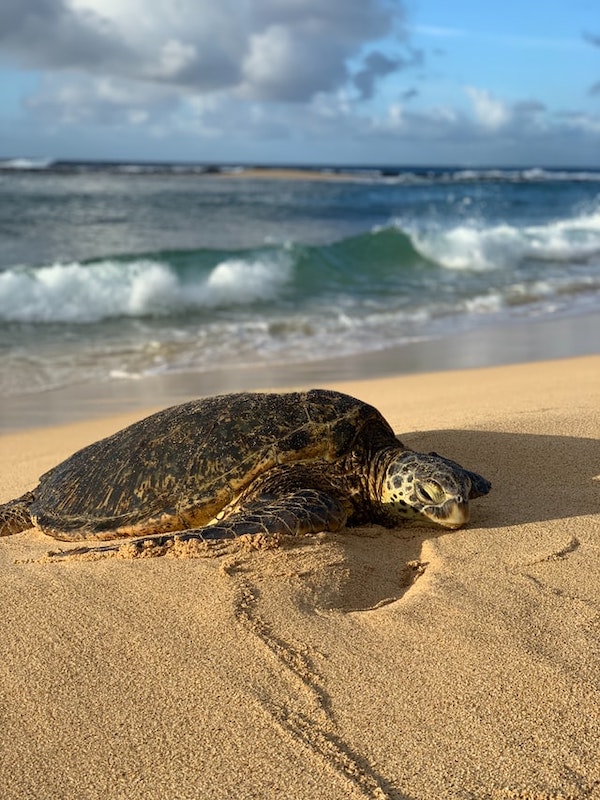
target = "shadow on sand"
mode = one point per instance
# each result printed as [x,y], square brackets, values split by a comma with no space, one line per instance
[535,478]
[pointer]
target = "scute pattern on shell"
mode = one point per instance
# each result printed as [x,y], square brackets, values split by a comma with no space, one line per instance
[180,467]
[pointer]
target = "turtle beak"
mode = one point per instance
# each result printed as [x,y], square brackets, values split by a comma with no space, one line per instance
[451,514]
[454,515]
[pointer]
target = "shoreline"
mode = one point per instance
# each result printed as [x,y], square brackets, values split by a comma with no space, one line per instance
[511,343]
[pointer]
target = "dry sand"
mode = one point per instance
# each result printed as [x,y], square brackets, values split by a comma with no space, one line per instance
[330,667]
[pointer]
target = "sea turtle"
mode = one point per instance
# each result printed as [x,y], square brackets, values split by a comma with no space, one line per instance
[247,463]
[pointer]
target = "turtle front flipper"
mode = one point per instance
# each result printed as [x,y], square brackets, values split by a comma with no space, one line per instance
[15,516]
[298,513]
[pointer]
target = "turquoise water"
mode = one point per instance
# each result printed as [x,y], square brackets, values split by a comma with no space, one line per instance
[112,273]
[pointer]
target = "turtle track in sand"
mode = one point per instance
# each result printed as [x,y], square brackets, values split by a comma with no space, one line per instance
[306,716]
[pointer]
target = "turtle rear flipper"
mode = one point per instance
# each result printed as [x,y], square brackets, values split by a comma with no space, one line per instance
[298,513]
[15,516]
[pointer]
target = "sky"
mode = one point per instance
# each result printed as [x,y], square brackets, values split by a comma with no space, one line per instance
[356,82]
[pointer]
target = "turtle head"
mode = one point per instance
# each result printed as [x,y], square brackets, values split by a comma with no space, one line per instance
[427,486]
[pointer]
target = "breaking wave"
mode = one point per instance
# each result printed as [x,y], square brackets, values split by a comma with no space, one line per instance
[400,267]
[142,287]
[472,246]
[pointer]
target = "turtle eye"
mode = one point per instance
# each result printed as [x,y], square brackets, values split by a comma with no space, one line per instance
[430,492]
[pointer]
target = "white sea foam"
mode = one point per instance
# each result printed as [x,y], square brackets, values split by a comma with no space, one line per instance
[107,289]
[238,281]
[26,163]
[469,247]
[472,246]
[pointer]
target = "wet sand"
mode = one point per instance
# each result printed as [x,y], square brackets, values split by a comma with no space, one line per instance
[404,664]
[517,341]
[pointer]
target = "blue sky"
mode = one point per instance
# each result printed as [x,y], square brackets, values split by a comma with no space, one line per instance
[302,81]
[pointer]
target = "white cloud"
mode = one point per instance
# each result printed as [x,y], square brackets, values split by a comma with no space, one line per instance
[489,111]
[582,123]
[115,62]
[268,49]
[175,58]
[100,101]
[262,71]
[395,116]
[289,66]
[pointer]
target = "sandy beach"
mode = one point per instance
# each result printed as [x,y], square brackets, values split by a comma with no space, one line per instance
[289,174]
[408,664]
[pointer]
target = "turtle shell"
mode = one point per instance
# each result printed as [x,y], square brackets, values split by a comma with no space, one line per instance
[178,468]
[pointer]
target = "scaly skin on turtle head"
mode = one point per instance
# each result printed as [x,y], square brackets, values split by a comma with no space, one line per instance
[429,487]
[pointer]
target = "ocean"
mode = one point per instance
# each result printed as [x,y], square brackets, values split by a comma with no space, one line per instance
[114,272]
